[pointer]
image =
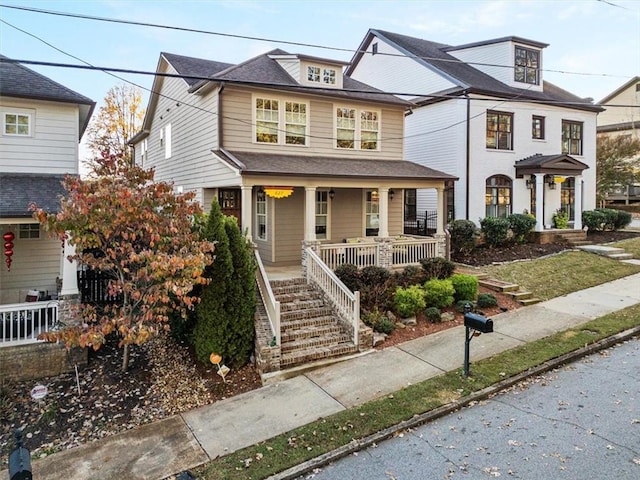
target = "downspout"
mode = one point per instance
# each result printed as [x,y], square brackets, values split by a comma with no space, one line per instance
[220,138]
[468,157]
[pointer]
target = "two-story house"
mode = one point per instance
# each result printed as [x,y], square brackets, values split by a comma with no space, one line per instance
[621,119]
[301,154]
[485,114]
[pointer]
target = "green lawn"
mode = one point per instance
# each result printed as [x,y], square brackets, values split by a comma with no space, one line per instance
[631,245]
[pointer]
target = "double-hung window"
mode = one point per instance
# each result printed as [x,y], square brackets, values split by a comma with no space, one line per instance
[277,125]
[357,129]
[571,137]
[17,124]
[498,196]
[499,130]
[537,127]
[527,66]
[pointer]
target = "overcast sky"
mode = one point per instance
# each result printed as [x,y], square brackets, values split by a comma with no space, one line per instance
[597,41]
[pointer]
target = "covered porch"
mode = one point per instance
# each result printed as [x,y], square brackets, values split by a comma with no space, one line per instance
[555,183]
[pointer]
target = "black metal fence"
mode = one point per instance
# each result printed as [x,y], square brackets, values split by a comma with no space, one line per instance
[423,225]
[94,288]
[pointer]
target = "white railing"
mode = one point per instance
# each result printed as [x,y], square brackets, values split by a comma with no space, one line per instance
[271,305]
[362,254]
[410,251]
[345,302]
[21,323]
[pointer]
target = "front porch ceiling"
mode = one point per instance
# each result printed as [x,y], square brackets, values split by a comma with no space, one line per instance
[559,164]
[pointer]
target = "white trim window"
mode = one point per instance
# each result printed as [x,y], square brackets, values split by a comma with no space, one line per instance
[29,231]
[277,125]
[322,214]
[261,215]
[372,213]
[324,75]
[17,124]
[313,74]
[357,129]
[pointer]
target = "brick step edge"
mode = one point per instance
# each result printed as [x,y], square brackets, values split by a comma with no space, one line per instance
[315,342]
[499,286]
[301,357]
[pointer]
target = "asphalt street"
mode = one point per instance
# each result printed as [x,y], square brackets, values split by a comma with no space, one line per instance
[581,421]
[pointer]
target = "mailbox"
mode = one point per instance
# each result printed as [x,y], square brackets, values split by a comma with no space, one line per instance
[478,322]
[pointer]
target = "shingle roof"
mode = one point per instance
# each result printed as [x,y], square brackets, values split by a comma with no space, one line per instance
[559,163]
[18,190]
[296,165]
[194,66]
[266,72]
[435,57]
[21,82]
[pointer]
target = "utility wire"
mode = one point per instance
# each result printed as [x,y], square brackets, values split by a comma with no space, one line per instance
[286,42]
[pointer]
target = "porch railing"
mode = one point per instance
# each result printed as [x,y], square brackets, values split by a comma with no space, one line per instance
[363,254]
[411,251]
[345,302]
[271,305]
[21,323]
[404,251]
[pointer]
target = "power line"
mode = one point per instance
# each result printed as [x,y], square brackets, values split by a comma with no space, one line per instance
[285,42]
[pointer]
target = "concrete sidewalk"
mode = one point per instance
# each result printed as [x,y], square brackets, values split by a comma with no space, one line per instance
[172,445]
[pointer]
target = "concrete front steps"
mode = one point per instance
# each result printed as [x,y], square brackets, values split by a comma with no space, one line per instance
[309,329]
[574,238]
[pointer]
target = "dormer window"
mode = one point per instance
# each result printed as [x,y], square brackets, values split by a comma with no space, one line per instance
[326,76]
[527,66]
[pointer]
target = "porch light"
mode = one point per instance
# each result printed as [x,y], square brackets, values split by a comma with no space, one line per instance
[552,184]
[530,183]
[332,193]
[391,194]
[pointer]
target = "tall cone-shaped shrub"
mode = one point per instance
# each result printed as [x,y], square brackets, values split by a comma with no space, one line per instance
[212,330]
[241,296]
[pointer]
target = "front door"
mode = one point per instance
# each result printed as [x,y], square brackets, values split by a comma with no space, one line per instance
[229,200]
[568,197]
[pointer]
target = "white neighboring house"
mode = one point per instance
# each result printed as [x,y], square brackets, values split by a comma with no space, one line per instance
[485,114]
[42,124]
[622,121]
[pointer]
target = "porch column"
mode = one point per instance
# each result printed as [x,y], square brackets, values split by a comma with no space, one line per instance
[246,206]
[539,202]
[577,206]
[383,214]
[310,214]
[440,216]
[69,271]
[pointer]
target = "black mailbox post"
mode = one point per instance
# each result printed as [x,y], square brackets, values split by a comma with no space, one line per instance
[20,461]
[474,324]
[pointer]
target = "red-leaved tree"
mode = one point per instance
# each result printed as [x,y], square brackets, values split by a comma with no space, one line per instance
[138,233]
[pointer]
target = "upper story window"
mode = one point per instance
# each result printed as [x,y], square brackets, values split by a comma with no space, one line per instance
[357,129]
[17,124]
[321,75]
[277,125]
[499,130]
[527,66]
[29,230]
[571,137]
[537,127]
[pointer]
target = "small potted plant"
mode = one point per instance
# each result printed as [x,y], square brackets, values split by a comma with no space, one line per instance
[560,219]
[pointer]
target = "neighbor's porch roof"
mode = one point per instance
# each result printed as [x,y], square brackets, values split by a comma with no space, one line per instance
[19,190]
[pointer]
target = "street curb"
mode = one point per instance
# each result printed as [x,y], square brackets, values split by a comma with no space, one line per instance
[418,420]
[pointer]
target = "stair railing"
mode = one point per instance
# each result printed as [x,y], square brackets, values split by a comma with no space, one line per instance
[271,305]
[345,302]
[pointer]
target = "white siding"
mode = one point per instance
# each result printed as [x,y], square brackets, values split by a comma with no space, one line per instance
[487,59]
[397,73]
[52,148]
[614,115]
[35,265]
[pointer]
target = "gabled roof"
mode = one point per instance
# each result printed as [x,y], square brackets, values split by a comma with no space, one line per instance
[20,189]
[434,56]
[558,164]
[619,90]
[320,166]
[18,81]
[194,66]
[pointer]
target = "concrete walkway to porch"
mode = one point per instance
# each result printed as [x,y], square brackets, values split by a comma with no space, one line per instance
[172,445]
